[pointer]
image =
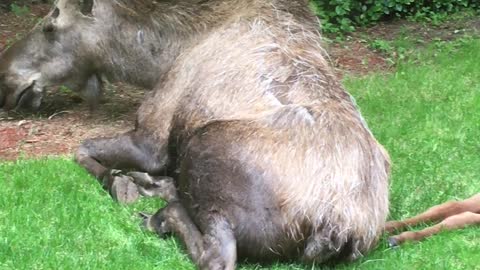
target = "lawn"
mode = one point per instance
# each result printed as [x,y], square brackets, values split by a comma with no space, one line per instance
[427,114]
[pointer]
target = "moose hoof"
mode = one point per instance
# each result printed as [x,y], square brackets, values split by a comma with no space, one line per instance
[319,251]
[123,189]
[141,178]
[155,223]
[145,221]
[392,242]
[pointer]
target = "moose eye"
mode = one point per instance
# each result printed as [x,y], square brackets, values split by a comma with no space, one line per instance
[56,13]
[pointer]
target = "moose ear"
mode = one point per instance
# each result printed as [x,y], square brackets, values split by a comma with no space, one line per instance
[86,7]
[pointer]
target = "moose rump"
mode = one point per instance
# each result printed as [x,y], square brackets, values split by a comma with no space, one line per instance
[238,175]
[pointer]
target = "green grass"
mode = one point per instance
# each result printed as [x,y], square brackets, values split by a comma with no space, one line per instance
[54,216]
[427,115]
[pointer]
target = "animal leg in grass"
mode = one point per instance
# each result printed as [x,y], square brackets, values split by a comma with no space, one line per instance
[322,247]
[155,186]
[214,250]
[126,151]
[120,186]
[438,213]
[451,223]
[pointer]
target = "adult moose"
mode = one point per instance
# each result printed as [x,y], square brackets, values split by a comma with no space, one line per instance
[268,154]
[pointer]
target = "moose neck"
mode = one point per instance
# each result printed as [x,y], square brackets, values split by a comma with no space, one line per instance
[146,37]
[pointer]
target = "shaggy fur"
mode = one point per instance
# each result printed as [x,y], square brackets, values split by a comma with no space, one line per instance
[271,157]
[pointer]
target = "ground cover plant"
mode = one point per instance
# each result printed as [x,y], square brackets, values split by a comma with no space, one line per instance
[344,15]
[427,114]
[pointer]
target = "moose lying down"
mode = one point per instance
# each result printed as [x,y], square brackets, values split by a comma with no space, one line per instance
[266,155]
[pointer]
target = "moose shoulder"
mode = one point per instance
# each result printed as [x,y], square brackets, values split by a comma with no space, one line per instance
[266,155]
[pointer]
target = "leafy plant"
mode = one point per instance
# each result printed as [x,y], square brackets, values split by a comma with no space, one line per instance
[381,45]
[19,11]
[65,90]
[344,15]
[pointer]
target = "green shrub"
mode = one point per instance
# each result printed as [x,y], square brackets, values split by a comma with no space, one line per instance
[19,10]
[343,15]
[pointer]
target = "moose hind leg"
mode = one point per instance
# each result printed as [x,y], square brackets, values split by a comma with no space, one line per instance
[220,249]
[324,246]
[213,250]
[103,156]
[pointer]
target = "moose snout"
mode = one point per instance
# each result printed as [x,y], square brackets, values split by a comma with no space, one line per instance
[19,88]
[21,97]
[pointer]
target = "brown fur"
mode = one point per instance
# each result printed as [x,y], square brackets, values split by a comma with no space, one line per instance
[271,157]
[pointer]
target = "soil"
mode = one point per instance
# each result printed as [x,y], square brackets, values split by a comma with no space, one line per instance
[355,56]
[64,120]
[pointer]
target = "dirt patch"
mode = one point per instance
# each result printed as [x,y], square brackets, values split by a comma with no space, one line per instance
[356,56]
[9,139]
[64,120]
[14,27]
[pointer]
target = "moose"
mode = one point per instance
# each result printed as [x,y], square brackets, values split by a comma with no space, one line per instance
[247,133]
[450,215]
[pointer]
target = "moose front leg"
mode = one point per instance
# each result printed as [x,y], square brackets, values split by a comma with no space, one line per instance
[102,157]
[212,248]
